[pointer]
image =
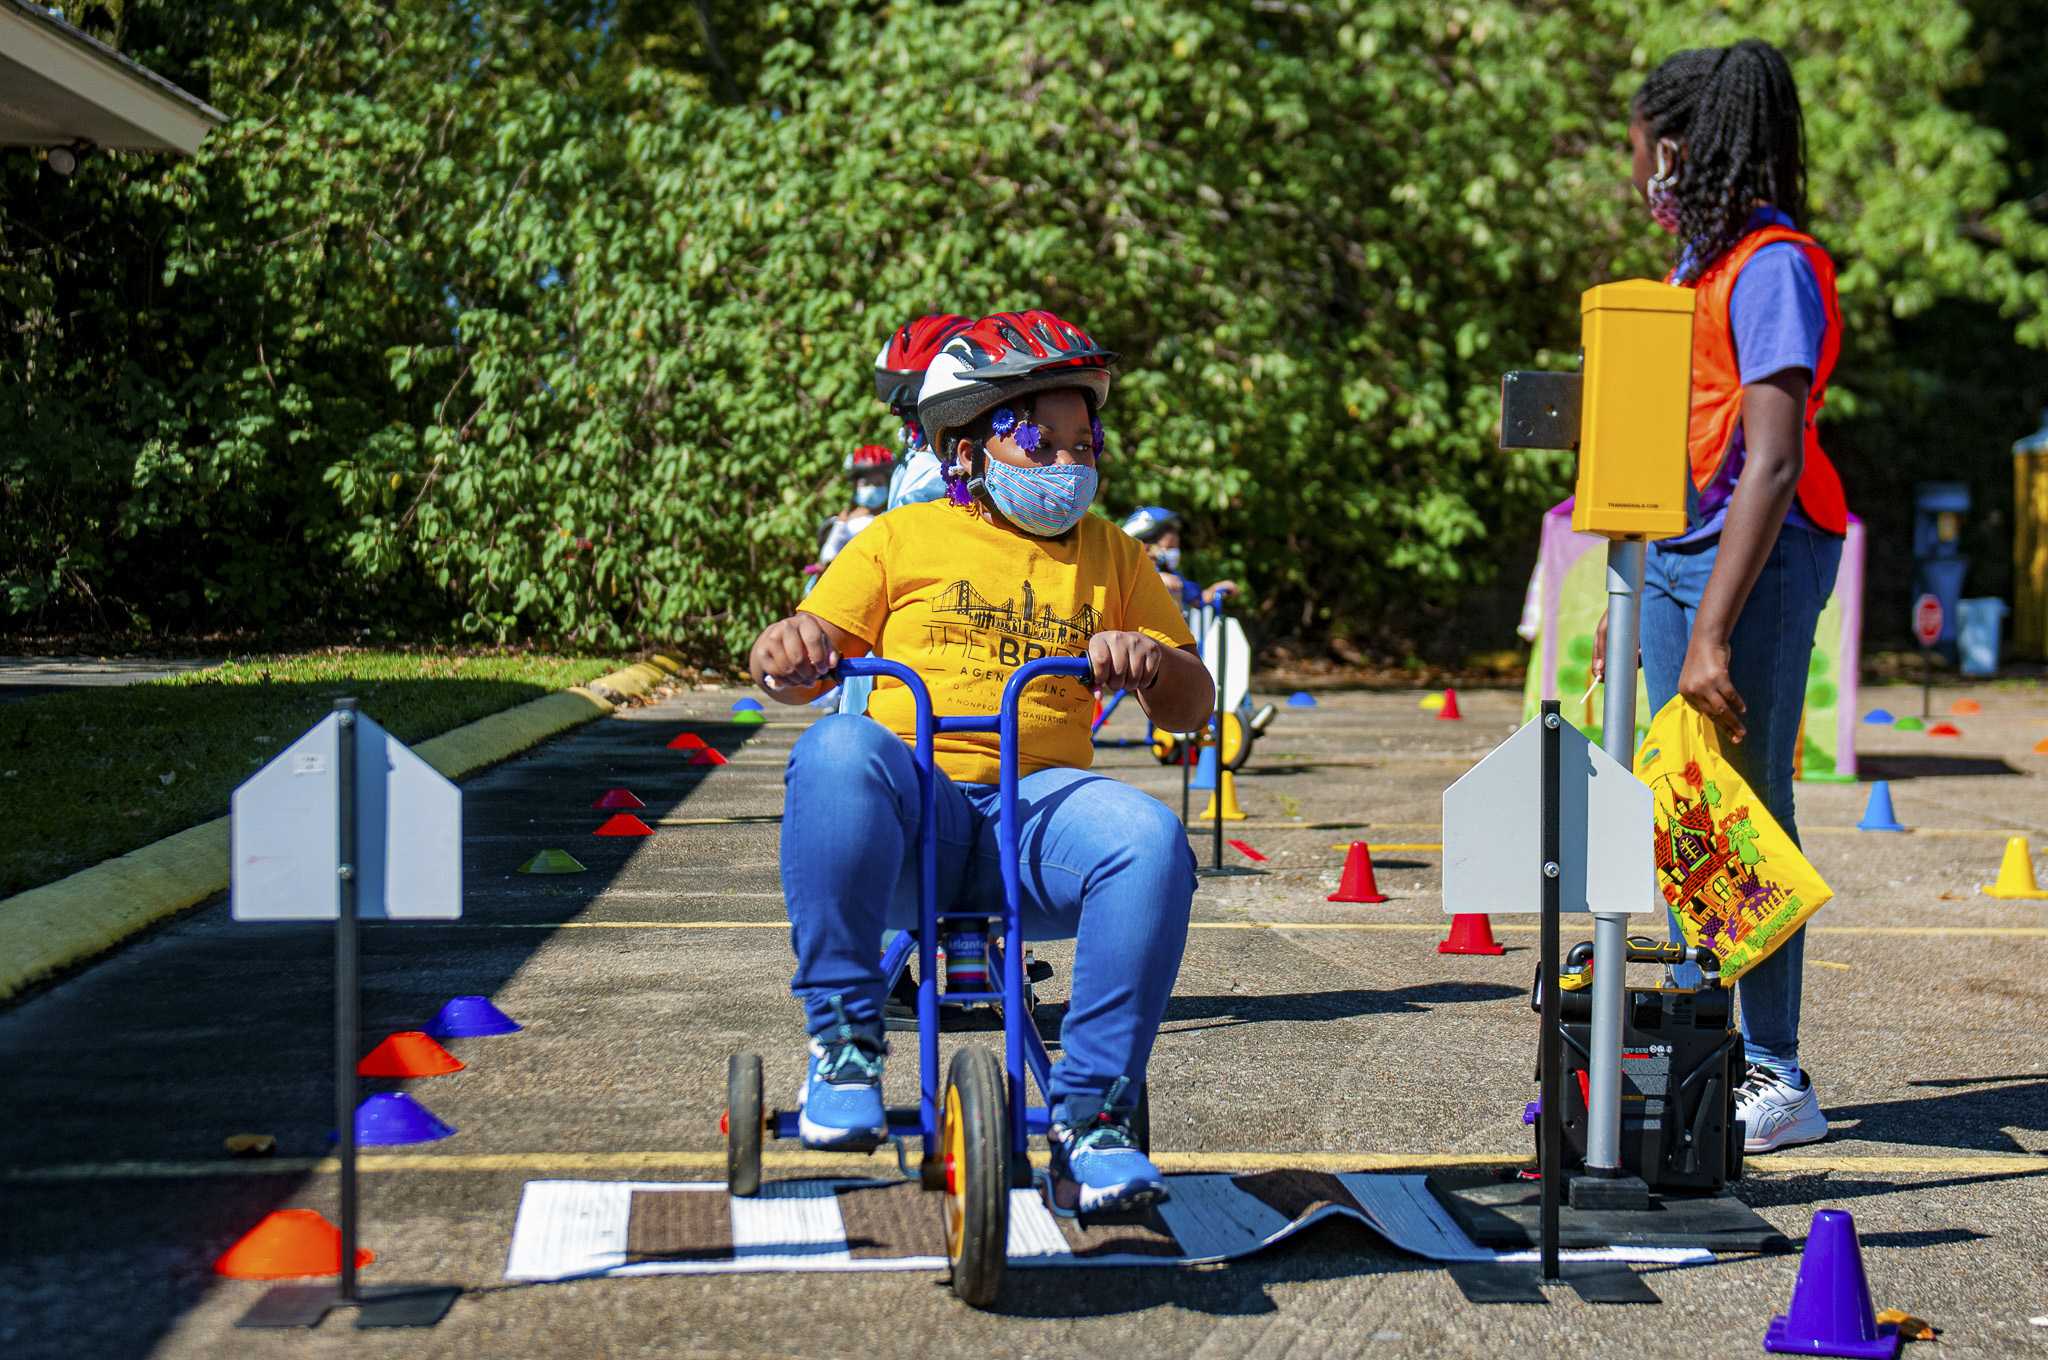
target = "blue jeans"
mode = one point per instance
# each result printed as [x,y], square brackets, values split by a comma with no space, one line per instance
[1100,863]
[1767,659]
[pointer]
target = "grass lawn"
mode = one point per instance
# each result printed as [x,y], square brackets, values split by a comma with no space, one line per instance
[95,773]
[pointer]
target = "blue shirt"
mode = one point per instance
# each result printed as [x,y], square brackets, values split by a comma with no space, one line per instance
[1779,321]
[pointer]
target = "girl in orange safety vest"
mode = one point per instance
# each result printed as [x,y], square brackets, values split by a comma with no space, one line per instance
[1730,605]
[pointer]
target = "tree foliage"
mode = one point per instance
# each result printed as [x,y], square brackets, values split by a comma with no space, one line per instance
[555,321]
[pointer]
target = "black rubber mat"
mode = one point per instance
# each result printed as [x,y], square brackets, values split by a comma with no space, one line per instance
[1503,1215]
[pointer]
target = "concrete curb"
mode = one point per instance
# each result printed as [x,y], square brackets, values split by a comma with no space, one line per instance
[61,924]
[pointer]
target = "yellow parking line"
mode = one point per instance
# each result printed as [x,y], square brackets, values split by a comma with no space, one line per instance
[883,1161]
[1991,832]
[1392,846]
[762,819]
[1988,832]
[1932,1164]
[1208,824]
[1356,927]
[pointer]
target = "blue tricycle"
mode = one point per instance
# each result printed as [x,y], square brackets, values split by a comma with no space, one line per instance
[976,1128]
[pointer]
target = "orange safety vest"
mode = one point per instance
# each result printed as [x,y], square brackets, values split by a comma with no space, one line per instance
[1717,378]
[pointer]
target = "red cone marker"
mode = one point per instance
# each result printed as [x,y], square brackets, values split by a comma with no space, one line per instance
[1471,933]
[1358,883]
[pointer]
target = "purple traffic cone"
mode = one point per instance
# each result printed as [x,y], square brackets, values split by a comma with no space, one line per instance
[469,1017]
[395,1118]
[1831,1312]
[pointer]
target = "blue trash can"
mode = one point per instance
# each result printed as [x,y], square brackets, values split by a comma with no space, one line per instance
[1979,623]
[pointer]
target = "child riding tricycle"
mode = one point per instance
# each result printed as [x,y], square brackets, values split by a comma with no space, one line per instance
[966,797]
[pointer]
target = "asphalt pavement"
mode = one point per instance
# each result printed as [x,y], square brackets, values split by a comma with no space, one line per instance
[1302,1033]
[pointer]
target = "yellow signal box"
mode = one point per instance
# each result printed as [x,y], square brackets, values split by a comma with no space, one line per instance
[1634,405]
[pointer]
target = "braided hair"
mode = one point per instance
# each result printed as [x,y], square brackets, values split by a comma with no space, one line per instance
[1736,112]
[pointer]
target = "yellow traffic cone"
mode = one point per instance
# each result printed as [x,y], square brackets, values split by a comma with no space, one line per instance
[2016,873]
[1226,789]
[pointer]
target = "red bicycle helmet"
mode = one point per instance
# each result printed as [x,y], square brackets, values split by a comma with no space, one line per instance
[899,368]
[1005,356]
[869,456]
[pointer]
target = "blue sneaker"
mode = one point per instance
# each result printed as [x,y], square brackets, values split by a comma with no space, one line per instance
[1096,1167]
[840,1106]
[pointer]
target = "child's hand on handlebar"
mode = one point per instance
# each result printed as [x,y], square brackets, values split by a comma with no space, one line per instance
[1125,660]
[794,653]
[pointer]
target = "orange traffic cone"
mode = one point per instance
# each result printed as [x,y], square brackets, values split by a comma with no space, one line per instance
[624,824]
[409,1053]
[287,1242]
[1449,712]
[1966,708]
[2041,747]
[687,741]
[1358,884]
[1471,933]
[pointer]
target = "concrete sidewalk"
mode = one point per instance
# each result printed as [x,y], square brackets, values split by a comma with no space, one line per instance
[23,677]
[1302,1033]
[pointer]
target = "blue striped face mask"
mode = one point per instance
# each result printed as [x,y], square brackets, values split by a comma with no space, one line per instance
[1042,501]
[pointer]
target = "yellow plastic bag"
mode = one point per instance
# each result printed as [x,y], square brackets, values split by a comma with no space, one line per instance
[1726,868]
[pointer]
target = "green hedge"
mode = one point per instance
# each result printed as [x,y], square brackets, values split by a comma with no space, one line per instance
[555,321]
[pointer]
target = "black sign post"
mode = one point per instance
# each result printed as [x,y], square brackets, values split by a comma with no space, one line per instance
[1550,1115]
[304,1305]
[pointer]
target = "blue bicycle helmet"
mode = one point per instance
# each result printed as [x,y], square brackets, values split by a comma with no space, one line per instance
[1147,522]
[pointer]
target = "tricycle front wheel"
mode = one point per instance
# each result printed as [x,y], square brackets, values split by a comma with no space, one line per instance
[743,1124]
[974,1138]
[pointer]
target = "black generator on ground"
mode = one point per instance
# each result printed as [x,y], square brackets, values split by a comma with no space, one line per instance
[1681,1060]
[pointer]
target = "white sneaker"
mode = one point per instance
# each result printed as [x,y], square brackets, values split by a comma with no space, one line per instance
[1776,1114]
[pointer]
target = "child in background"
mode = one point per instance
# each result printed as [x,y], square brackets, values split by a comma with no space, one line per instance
[1009,567]
[1158,528]
[869,466]
[899,372]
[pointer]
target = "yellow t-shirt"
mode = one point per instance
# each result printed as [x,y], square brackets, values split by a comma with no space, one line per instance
[964,602]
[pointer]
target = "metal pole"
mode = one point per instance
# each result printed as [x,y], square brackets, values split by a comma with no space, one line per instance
[1550,1117]
[1610,932]
[347,1021]
[1222,680]
[1188,745]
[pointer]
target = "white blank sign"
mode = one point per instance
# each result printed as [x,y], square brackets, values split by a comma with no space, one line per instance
[1493,830]
[286,833]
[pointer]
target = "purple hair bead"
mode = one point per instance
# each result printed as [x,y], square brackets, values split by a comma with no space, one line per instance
[1027,437]
[1095,433]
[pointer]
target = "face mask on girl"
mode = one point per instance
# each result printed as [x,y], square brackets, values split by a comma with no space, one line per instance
[1042,501]
[871,495]
[1662,190]
[1167,559]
